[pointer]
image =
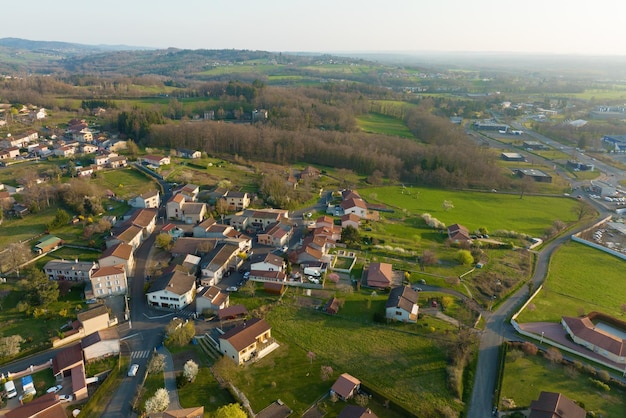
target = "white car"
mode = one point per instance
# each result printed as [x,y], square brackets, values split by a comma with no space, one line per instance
[133,370]
[232,289]
[66,398]
[54,389]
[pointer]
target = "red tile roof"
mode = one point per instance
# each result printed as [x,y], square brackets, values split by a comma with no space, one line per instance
[555,405]
[244,335]
[379,275]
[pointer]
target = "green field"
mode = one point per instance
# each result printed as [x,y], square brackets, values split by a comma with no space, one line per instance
[381,124]
[125,183]
[526,376]
[403,362]
[580,279]
[494,211]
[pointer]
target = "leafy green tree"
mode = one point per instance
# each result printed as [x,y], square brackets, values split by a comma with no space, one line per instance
[164,241]
[60,219]
[464,257]
[40,290]
[350,235]
[179,333]
[232,410]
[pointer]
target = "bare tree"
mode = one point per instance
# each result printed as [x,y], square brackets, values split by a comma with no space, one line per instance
[14,256]
[582,210]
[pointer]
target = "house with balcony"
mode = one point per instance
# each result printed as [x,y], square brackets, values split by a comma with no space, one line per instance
[173,290]
[70,270]
[250,340]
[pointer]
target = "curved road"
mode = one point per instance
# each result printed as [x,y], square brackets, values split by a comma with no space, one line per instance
[498,329]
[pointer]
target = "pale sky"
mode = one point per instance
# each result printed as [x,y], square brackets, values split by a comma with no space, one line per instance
[541,26]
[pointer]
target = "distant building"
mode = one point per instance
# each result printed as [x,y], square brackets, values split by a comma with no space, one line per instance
[512,156]
[534,174]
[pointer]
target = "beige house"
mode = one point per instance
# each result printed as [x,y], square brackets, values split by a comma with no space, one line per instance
[217,262]
[119,254]
[251,339]
[211,298]
[131,235]
[156,160]
[151,199]
[100,344]
[237,201]
[107,281]
[276,235]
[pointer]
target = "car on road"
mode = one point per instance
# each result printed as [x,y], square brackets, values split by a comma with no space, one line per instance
[54,389]
[66,398]
[232,289]
[246,275]
[133,370]
[285,248]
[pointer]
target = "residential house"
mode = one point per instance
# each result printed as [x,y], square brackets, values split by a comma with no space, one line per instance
[306,254]
[189,212]
[263,218]
[19,141]
[402,304]
[144,219]
[219,261]
[85,171]
[45,406]
[174,290]
[325,221]
[95,319]
[110,280]
[378,275]
[64,151]
[88,148]
[555,405]
[458,233]
[172,230]
[188,153]
[70,270]
[211,298]
[270,262]
[38,114]
[251,339]
[100,344]
[310,172]
[346,387]
[350,220]
[150,199]
[84,135]
[9,153]
[47,243]
[197,246]
[190,264]
[240,222]
[119,254]
[202,230]
[189,191]
[117,162]
[174,207]
[193,412]
[103,160]
[328,234]
[355,411]
[237,201]
[276,235]
[354,206]
[265,276]
[156,160]
[128,234]
[41,151]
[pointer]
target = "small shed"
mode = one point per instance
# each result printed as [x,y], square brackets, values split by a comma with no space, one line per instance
[275,288]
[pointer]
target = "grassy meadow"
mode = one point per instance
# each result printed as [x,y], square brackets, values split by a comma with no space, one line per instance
[404,362]
[126,183]
[580,279]
[381,124]
[494,211]
[525,377]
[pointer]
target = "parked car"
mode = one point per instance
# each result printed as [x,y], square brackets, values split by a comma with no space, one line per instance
[66,398]
[232,289]
[133,370]
[246,275]
[54,389]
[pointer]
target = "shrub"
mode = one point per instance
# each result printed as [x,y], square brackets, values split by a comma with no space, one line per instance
[157,364]
[159,402]
[529,348]
[604,376]
[455,380]
[600,384]
[190,370]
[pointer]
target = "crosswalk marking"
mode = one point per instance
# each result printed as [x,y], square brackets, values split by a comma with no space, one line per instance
[140,354]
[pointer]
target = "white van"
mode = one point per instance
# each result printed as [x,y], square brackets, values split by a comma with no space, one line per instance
[9,387]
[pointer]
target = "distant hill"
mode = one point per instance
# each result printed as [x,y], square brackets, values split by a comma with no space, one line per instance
[64,47]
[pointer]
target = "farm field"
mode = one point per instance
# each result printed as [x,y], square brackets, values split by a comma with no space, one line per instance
[207,172]
[407,363]
[494,211]
[526,376]
[580,279]
[386,125]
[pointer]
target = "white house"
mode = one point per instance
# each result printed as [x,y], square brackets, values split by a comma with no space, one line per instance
[270,262]
[174,290]
[253,338]
[211,298]
[151,199]
[101,344]
[217,262]
[402,304]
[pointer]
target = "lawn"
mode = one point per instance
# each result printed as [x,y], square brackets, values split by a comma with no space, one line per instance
[153,382]
[404,362]
[125,182]
[580,279]
[494,211]
[382,124]
[205,390]
[526,376]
